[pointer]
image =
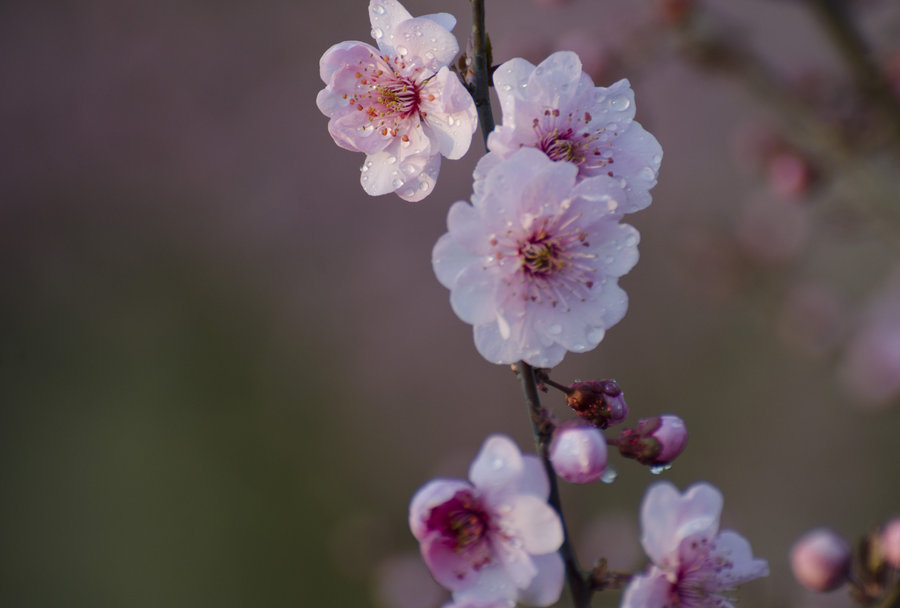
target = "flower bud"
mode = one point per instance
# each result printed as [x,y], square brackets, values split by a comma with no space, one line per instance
[656,441]
[599,402]
[820,560]
[578,452]
[890,543]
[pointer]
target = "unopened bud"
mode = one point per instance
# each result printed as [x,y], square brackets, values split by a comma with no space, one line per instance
[890,543]
[578,452]
[820,560]
[599,402]
[656,441]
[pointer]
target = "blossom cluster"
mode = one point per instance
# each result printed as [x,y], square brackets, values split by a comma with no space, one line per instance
[532,262]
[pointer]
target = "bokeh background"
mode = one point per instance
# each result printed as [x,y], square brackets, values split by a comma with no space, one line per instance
[224,369]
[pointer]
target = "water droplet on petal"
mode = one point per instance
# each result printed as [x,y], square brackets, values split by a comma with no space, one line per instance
[390,160]
[450,120]
[423,186]
[656,159]
[410,169]
[595,335]
[402,50]
[555,329]
[378,9]
[609,475]
[396,183]
[657,469]
[631,241]
[621,103]
[377,32]
[507,88]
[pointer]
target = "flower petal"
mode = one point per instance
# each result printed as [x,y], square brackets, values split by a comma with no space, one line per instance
[385,16]
[451,116]
[546,587]
[650,590]
[432,494]
[498,465]
[536,523]
[668,518]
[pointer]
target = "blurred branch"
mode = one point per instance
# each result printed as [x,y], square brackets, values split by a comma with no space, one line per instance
[838,22]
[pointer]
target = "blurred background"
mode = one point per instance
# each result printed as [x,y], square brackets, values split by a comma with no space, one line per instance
[224,369]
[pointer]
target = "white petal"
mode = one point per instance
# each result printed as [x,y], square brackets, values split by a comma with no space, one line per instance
[451,117]
[537,524]
[422,42]
[498,464]
[546,587]
[384,16]
[508,81]
[445,20]
[556,78]
[668,518]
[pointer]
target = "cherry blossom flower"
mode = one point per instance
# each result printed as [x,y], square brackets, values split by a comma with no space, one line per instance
[533,263]
[693,563]
[399,104]
[556,108]
[494,539]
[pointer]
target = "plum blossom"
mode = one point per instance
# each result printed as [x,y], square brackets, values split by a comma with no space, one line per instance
[399,104]
[493,540]
[694,564]
[533,263]
[556,108]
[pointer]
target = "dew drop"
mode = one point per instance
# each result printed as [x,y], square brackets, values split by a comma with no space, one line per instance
[507,88]
[378,9]
[656,159]
[377,32]
[450,120]
[396,183]
[402,50]
[364,168]
[555,329]
[659,468]
[595,335]
[410,169]
[621,103]
[390,160]
[423,186]
[609,475]
[631,241]
[364,178]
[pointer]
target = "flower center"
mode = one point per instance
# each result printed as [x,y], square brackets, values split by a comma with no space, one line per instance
[567,139]
[390,93]
[462,520]
[541,256]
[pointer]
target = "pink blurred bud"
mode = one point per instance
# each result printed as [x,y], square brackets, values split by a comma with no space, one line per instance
[656,441]
[578,452]
[820,560]
[890,541]
[789,174]
[599,402]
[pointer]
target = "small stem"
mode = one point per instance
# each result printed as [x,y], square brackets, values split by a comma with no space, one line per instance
[482,93]
[581,590]
[545,379]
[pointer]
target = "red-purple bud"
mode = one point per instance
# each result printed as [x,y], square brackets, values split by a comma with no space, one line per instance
[890,543]
[656,441]
[599,402]
[578,452]
[820,560]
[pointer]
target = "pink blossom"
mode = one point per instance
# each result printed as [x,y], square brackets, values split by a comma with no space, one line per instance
[399,104]
[533,263]
[556,108]
[494,538]
[693,563]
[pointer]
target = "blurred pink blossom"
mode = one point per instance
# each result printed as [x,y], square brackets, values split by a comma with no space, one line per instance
[820,560]
[693,563]
[496,538]
[870,370]
[399,104]
[533,263]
